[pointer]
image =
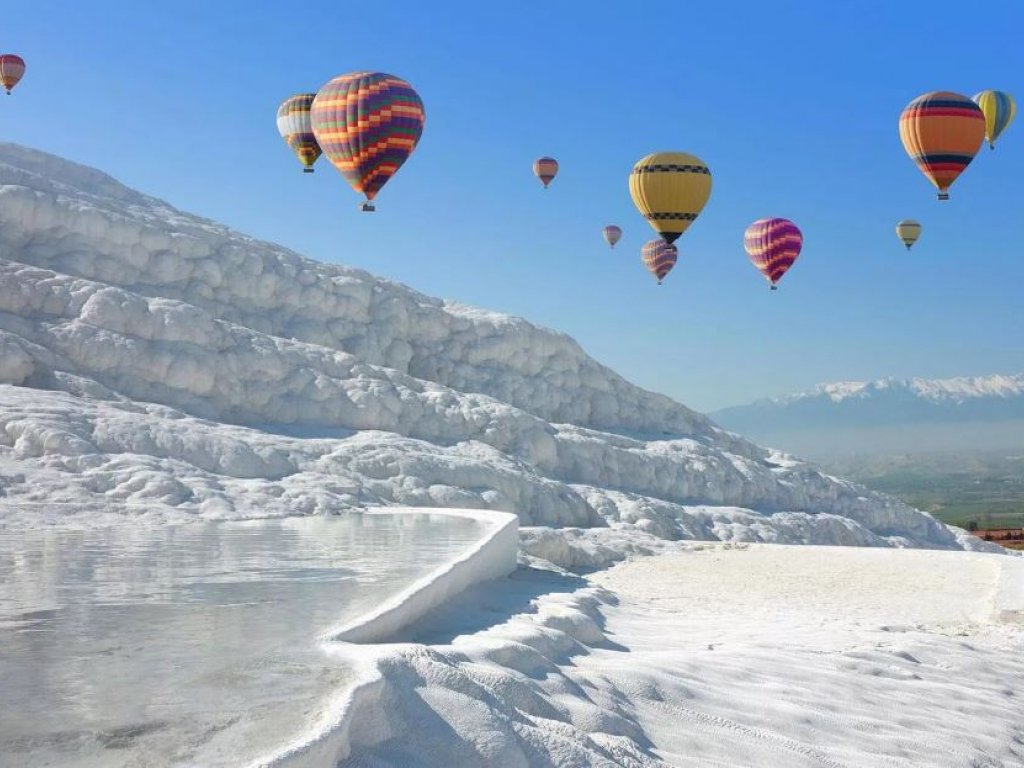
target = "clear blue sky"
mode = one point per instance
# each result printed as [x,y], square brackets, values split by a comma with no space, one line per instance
[793,105]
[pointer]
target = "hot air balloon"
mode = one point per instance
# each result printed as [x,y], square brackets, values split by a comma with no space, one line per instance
[367,123]
[773,245]
[999,109]
[545,169]
[942,133]
[659,257]
[294,125]
[908,231]
[612,234]
[12,68]
[670,189]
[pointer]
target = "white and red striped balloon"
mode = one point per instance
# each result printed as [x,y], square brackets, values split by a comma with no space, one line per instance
[12,69]
[612,234]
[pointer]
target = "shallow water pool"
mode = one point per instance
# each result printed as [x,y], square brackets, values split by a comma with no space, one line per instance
[195,644]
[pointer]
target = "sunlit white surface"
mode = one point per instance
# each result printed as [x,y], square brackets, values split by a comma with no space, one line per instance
[194,644]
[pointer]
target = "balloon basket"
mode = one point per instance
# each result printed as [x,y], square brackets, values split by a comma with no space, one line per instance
[773,288]
[943,195]
[307,170]
[367,207]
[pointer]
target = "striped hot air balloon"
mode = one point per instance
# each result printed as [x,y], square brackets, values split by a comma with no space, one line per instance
[999,110]
[670,189]
[773,245]
[12,69]
[942,133]
[612,234]
[908,231]
[368,124]
[295,127]
[545,169]
[659,257]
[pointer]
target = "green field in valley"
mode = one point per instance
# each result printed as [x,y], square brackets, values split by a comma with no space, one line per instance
[955,488]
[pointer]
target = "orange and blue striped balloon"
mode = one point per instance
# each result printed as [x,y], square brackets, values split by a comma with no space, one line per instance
[12,69]
[773,245]
[545,169]
[294,125]
[659,257]
[368,124]
[942,132]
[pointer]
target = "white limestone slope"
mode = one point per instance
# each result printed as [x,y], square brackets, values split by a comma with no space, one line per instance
[159,365]
[717,655]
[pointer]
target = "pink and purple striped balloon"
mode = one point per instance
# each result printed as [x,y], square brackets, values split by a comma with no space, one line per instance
[773,245]
[659,257]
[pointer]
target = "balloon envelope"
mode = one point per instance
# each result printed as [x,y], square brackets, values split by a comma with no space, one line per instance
[659,257]
[942,132]
[999,110]
[908,231]
[773,245]
[368,124]
[612,234]
[545,169]
[12,69]
[296,128]
[670,189]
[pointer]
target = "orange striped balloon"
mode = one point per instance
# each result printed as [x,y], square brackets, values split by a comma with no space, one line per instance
[942,132]
[368,124]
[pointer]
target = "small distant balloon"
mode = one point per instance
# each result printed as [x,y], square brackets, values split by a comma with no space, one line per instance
[12,69]
[942,132]
[908,231]
[545,169]
[612,234]
[773,245]
[296,128]
[659,257]
[999,110]
[670,189]
[368,124]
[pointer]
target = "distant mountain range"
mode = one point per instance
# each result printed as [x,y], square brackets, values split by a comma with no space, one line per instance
[888,414]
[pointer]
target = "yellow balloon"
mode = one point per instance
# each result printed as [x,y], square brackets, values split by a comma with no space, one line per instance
[999,109]
[670,189]
[908,231]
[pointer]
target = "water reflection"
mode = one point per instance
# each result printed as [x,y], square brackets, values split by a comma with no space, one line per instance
[189,645]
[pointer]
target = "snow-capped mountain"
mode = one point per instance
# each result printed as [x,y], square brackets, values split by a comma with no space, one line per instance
[887,401]
[963,412]
[156,365]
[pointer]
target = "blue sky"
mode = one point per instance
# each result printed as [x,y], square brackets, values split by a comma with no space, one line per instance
[793,105]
